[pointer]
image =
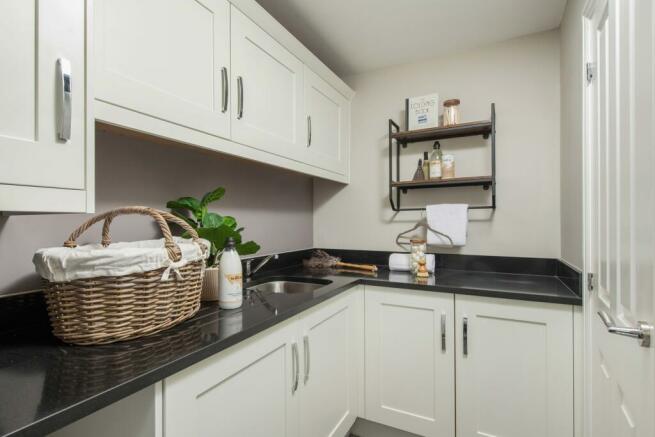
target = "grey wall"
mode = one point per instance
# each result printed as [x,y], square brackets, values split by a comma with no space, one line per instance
[522,77]
[571,77]
[274,205]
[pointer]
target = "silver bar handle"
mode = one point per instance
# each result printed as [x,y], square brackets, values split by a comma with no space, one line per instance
[239,98]
[641,333]
[443,332]
[309,130]
[465,335]
[64,99]
[295,364]
[307,358]
[224,94]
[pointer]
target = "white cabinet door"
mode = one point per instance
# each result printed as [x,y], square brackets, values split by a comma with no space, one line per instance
[267,81]
[35,35]
[329,392]
[166,59]
[246,390]
[328,125]
[410,360]
[514,368]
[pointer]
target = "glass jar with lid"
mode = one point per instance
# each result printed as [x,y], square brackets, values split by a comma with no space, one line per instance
[451,112]
[417,253]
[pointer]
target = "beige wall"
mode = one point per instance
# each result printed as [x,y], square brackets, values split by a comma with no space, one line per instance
[571,128]
[274,205]
[522,77]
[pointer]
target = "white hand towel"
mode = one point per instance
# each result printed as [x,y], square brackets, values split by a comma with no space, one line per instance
[449,219]
[401,262]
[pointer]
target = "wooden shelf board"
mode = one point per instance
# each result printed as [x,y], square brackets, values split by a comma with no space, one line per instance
[438,133]
[441,183]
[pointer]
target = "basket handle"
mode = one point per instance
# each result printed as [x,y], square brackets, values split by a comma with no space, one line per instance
[160,217]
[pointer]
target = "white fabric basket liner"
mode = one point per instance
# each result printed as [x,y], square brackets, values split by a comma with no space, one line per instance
[63,264]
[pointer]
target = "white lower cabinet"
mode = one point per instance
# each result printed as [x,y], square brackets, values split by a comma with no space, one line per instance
[331,342]
[410,365]
[514,368]
[295,379]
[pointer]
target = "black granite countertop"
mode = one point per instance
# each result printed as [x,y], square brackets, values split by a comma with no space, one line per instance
[45,384]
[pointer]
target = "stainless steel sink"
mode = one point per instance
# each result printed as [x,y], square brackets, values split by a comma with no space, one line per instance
[289,286]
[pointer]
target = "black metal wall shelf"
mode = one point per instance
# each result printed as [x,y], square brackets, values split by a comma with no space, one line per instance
[485,128]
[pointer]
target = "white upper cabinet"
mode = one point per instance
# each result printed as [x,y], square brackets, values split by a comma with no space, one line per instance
[169,60]
[328,125]
[268,86]
[514,368]
[410,364]
[45,148]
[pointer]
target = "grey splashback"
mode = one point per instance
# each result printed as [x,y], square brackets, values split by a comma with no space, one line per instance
[274,205]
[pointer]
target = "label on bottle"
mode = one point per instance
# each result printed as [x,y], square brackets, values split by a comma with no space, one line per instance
[435,169]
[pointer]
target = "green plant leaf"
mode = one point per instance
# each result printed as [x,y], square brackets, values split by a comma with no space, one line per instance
[212,196]
[180,214]
[248,248]
[230,222]
[218,235]
[189,203]
[212,220]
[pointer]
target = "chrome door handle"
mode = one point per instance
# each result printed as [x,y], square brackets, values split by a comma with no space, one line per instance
[295,364]
[64,99]
[239,98]
[642,333]
[443,332]
[309,130]
[307,358]
[225,90]
[465,335]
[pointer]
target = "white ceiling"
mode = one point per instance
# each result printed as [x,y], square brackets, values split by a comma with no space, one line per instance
[353,36]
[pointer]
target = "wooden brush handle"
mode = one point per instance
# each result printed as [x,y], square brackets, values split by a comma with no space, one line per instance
[368,267]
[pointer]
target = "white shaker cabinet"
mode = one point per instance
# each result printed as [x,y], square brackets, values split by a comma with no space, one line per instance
[169,60]
[514,368]
[332,339]
[267,109]
[46,133]
[328,125]
[248,390]
[410,367]
[298,378]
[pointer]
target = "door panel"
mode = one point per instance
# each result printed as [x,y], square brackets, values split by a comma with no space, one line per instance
[272,78]
[619,114]
[35,35]
[328,405]
[328,118]
[516,377]
[165,59]
[409,376]
[247,391]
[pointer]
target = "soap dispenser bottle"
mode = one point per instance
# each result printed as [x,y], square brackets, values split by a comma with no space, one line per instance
[231,277]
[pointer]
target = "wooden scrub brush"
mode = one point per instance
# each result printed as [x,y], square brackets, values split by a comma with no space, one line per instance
[323,260]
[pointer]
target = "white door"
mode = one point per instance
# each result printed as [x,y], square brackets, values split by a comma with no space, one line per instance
[514,368]
[166,59]
[620,217]
[328,398]
[35,36]
[410,370]
[268,86]
[248,390]
[328,118]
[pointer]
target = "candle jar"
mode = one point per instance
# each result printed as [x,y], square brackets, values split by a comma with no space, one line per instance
[451,112]
[417,254]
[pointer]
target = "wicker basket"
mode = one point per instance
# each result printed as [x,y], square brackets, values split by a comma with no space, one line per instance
[115,308]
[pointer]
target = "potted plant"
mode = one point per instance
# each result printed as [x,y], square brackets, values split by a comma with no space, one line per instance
[212,227]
